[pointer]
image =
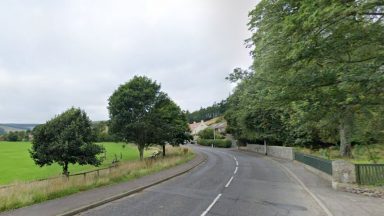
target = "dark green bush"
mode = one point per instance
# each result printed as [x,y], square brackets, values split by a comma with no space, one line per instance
[221,143]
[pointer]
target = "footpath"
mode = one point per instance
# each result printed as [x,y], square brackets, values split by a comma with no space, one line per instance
[79,202]
[337,202]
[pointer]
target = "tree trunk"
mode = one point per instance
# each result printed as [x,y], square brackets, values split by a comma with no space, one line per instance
[65,169]
[345,131]
[164,150]
[141,151]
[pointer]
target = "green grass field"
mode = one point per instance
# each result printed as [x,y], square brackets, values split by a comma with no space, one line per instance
[17,165]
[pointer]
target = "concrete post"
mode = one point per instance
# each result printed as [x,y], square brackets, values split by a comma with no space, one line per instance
[343,172]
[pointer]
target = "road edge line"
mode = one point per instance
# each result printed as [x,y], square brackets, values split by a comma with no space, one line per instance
[128,193]
[301,183]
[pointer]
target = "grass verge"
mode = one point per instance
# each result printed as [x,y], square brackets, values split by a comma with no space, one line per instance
[25,194]
[361,154]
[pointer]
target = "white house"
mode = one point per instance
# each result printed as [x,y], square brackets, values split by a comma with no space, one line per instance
[197,127]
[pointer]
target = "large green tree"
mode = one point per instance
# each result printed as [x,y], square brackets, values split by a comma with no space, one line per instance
[66,139]
[141,113]
[323,58]
[171,123]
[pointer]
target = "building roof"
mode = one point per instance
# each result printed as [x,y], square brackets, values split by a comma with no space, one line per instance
[195,125]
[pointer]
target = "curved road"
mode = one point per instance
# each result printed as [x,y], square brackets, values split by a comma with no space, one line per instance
[229,183]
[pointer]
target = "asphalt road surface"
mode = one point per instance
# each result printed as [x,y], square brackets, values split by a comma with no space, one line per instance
[228,183]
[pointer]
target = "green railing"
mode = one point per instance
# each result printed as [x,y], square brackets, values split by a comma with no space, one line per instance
[315,162]
[370,174]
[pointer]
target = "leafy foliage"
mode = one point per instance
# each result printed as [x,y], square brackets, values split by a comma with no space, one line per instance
[318,73]
[15,136]
[209,133]
[221,143]
[101,130]
[66,139]
[141,113]
[171,123]
[217,109]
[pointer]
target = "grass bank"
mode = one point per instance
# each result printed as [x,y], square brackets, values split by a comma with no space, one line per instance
[361,154]
[25,194]
[17,165]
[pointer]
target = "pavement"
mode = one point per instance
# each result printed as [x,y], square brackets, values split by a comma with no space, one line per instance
[338,202]
[74,203]
[229,182]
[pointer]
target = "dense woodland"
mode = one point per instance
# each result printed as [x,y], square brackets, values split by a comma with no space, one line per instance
[217,109]
[317,78]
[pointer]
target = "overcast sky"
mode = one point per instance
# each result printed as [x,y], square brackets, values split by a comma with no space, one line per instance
[58,54]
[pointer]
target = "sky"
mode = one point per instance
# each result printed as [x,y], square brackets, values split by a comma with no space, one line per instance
[75,53]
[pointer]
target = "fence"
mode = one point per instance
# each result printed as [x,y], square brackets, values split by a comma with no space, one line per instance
[370,174]
[316,162]
[85,175]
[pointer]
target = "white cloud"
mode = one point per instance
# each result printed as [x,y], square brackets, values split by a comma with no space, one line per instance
[58,54]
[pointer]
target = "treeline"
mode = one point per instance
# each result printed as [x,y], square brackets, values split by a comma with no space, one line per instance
[317,78]
[16,136]
[139,113]
[217,109]
[102,133]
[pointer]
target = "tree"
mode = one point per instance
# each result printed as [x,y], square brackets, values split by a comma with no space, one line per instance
[207,133]
[171,123]
[66,139]
[132,108]
[217,109]
[326,58]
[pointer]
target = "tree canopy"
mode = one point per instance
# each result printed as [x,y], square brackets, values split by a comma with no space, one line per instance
[216,110]
[141,113]
[318,66]
[66,139]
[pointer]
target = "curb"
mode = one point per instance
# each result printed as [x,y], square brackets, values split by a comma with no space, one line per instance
[128,193]
[297,179]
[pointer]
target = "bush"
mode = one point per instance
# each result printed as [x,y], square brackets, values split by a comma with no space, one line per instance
[221,143]
[208,133]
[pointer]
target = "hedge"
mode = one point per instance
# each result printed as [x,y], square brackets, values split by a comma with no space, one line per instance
[221,143]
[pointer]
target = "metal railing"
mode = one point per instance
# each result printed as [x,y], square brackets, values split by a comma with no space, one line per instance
[370,174]
[315,162]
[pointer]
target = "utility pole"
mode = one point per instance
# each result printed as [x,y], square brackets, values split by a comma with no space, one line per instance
[265,147]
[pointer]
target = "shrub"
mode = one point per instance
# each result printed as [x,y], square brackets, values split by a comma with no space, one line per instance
[221,143]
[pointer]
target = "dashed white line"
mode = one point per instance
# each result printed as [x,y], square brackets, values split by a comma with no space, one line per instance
[229,182]
[236,170]
[212,204]
[237,163]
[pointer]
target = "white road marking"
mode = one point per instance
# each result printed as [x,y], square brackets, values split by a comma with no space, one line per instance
[317,200]
[237,163]
[234,158]
[210,206]
[236,170]
[229,182]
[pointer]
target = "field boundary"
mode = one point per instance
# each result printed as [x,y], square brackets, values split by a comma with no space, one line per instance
[194,163]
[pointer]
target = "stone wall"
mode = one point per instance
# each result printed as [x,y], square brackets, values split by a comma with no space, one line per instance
[274,151]
[280,152]
[256,148]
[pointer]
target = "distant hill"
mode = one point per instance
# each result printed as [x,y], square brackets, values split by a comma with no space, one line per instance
[16,127]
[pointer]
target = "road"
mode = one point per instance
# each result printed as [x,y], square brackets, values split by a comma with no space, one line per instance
[228,183]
